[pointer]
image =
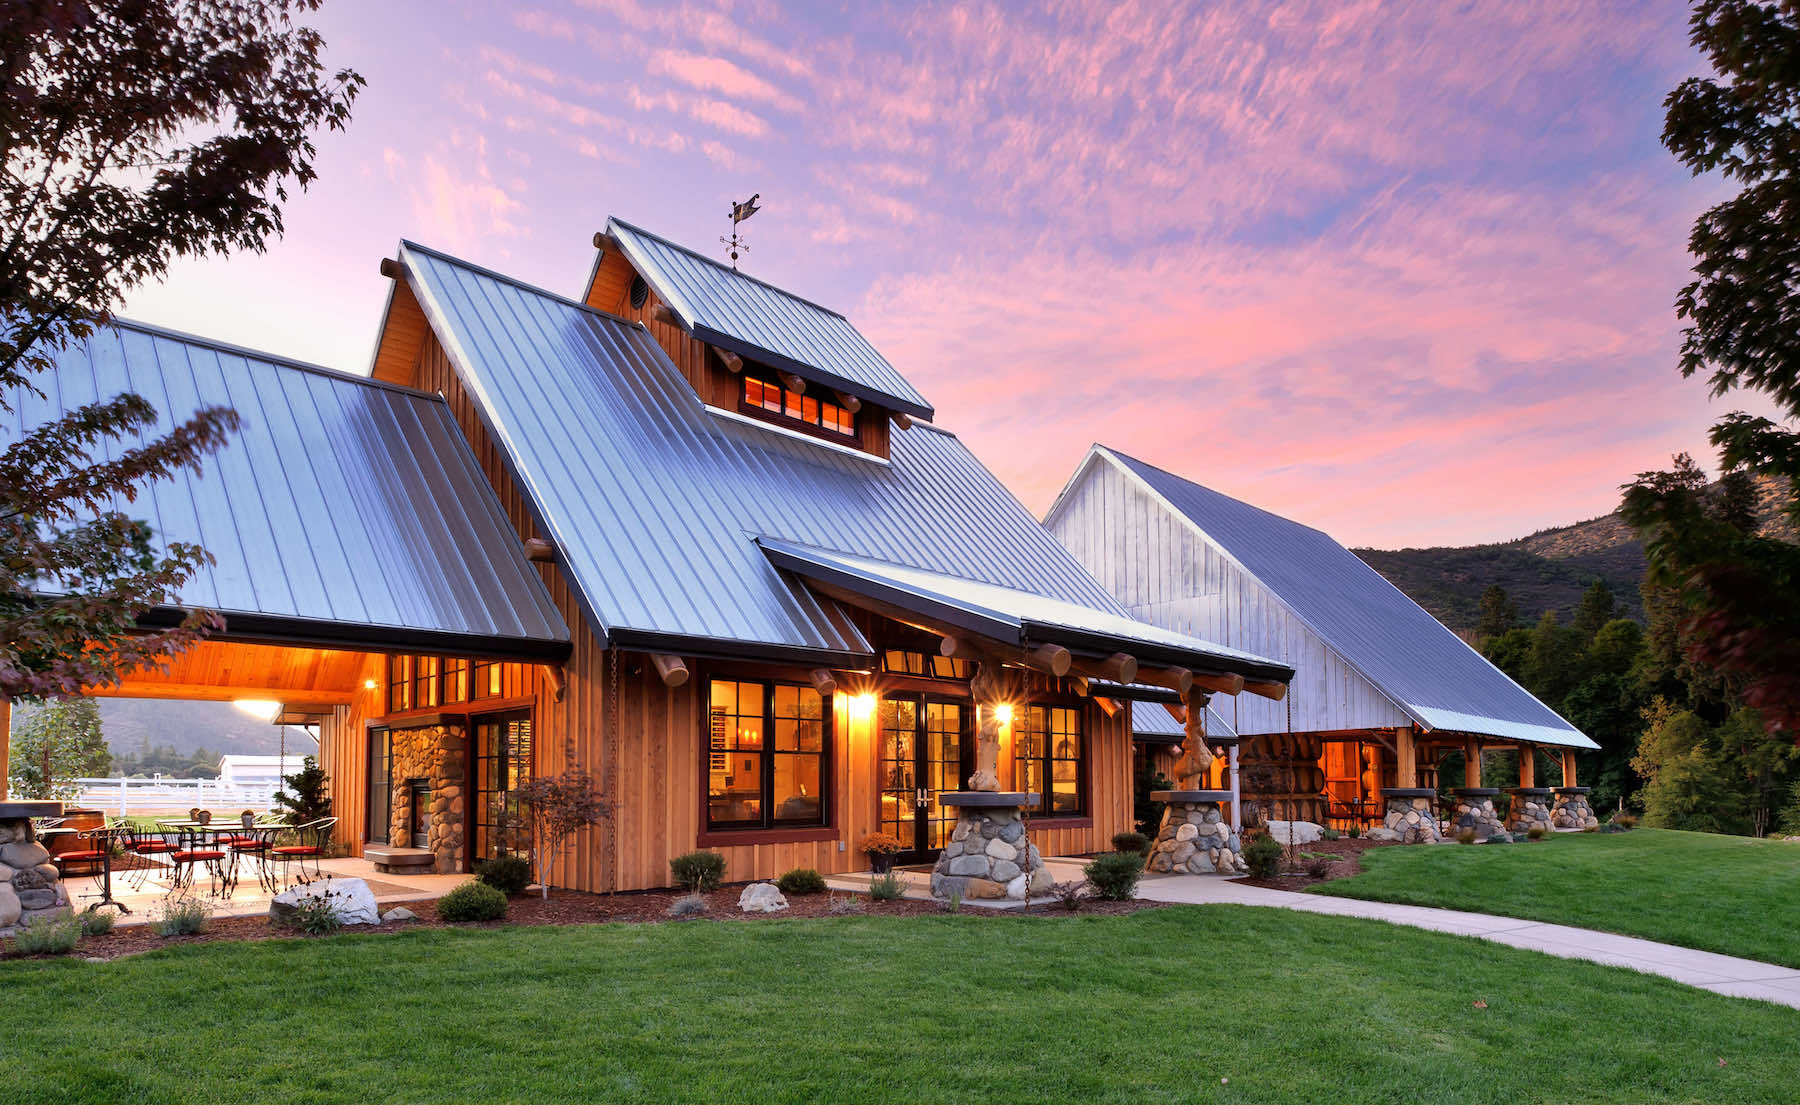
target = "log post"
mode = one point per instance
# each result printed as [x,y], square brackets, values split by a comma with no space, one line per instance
[673,669]
[1406,759]
[988,690]
[5,742]
[1568,764]
[1196,759]
[1472,764]
[1527,766]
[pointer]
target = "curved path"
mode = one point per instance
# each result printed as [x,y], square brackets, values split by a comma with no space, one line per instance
[1722,974]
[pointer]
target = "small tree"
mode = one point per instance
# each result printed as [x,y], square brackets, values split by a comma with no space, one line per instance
[55,744]
[303,794]
[550,809]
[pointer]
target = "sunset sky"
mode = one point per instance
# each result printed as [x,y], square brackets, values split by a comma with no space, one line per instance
[1403,272]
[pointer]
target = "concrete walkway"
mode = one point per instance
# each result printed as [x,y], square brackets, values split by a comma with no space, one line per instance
[1722,974]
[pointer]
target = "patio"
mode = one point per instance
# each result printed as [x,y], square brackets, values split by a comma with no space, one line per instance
[250,899]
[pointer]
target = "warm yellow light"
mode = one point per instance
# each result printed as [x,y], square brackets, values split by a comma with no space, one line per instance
[261,708]
[862,706]
[368,684]
[1004,713]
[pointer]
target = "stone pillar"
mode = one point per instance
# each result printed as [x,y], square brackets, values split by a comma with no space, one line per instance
[434,753]
[1195,838]
[988,855]
[1411,816]
[1475,810]
[1572,810]
[31,889]
[1530,808]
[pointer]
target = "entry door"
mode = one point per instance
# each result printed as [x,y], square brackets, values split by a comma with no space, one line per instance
[925,743]
[501,762]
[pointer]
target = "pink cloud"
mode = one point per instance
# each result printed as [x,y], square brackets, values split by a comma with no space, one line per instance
[712,74]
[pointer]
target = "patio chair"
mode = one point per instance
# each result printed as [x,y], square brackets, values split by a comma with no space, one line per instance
[194,847]
[310,842]
[252,844]
[149,848]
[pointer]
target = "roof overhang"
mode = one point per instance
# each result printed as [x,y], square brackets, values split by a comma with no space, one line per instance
[810,373]
[1438,721]
[264,629]
[1017,618]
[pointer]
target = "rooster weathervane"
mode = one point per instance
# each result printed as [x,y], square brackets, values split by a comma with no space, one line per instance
[740,212]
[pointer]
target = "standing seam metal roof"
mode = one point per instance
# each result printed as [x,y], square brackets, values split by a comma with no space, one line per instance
[655,504]
[1427,670]
[343,509]
[760,321]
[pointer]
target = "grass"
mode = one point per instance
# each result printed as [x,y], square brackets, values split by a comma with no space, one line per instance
[1727,894]
[1158,1005]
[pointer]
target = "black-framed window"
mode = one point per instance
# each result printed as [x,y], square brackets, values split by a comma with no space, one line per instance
[503,763]
[897,661]
[380,796]
[770,399]
[1049,757]
[768,755]
[418,682]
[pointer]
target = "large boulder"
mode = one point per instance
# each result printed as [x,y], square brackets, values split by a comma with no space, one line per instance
[1296,832]
[352,899]
[762,897]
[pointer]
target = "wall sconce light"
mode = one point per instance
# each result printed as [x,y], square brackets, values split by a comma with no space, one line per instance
[862,707]
[368,684]
[1004,713]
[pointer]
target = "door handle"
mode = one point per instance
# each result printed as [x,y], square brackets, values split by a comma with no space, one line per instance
[921,798]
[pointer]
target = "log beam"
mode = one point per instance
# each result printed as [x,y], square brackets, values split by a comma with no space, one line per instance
[660,313]
[792,382]
[603,241]
[822,680]
[539,551]
[1527,766]
[1471,763]
[1219,683]
[1109,705]
[849,402]
[392,268]
[1178,712]
[1175,679]
[1268,689]
[901,419]
[1568,766]
[1406,758]
[1119,668]
[673,669]
[734,364]
[1049,659]
[1079,684]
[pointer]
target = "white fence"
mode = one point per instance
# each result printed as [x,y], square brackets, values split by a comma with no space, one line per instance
[157,795]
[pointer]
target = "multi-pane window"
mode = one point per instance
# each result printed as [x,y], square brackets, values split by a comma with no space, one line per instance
[380,796]
[1047,756]
[768,749]
[502,766]
[423,682]
[768,397]
[902,662]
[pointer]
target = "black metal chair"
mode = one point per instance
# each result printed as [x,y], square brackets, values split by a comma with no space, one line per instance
[194,847]
[310,843]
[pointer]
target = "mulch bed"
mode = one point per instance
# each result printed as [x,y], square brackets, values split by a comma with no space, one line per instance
[1343,857]
[568,907]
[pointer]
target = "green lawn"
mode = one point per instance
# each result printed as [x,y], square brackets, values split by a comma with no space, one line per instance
[1157,1006]
[1727,894]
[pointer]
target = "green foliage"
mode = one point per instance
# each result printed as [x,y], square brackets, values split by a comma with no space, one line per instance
[1114,875]
[472,901]
[1499,613]
[509,875]
[181,916]
[846,905]
[689,905]
[1723,778]
[96,922]
[305,794]
[1069,895]
[1136,843]
[1536,832]
[1262,855]
[1596,610]
[55,743]
[1147,815]
[550,809]
[52,936]
[698,870]
[1790,814]
[887,888]
[801,880]
[315,915]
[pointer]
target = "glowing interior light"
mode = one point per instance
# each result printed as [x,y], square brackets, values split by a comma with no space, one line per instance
[862,706]
[262,709]
[1004,713]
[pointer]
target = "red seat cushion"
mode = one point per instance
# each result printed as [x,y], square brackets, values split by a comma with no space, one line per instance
[298,850]
[246,844]
[67,856]
[191,857]
[152,846]
[240,840]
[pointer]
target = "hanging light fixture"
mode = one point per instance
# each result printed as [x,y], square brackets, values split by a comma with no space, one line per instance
[263,709]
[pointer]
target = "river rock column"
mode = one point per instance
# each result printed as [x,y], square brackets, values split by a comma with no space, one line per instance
[1572,810]
[1530,809]
[1195,837]
[31,889]
[988,855]
[1411,816]
[1475,810]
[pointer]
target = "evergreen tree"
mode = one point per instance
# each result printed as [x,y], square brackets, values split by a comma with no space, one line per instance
[1499,613]
[1595,611]
[305,794]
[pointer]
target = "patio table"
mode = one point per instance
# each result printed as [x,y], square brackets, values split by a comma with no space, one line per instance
[218,831]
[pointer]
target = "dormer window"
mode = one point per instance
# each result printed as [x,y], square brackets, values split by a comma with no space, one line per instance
[770,400]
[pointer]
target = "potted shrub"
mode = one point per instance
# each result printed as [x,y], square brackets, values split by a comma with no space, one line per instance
[882,848]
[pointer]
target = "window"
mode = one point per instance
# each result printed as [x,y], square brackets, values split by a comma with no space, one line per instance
[426,682]
[768,755]
[380,797]
[901,662]
[1047,758]
[769,399]
[502,765]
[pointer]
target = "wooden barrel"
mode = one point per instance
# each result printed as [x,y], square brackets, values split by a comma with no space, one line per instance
[58,843]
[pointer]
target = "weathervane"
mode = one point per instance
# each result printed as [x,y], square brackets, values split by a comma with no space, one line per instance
[740,212]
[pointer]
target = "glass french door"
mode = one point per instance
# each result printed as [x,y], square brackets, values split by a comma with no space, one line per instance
[502,761]
[925,743]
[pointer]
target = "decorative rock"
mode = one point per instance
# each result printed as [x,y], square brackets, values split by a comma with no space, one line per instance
[1006,871]
[988,855]
[1186,832]
[1000,849]
[762,897]
[1410,816]
[1382,833]
[1194,840]
[351,899]
[1296,832]
[398,915]
[1012,832]
[1572,810]
[10,907]
[21,854]
[967,866]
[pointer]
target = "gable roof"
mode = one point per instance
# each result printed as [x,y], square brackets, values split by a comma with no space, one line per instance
[1408,655]
[344,512]
[656,504]
[1152,724]
[753,319]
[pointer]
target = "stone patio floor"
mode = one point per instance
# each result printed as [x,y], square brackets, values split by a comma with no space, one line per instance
[252,900]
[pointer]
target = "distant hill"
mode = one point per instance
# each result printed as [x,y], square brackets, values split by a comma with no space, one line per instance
[1545,571]
[129,724]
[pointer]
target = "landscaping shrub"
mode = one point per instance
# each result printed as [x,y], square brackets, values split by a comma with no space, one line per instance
[1466,836]
[1131,842]
[1329,834]
[1262,855]
[1069,895]
[688,905]
[96,923]
[1536,832]
[472,901]
[801,880]
[508,874]
[180,917]
[698,871]
[952,904]
[887,888]
[1114,876]
[1318,868]
[847,905]
[1624,820]
[316,915]
[1354,832]
[57,936]
[1500,838]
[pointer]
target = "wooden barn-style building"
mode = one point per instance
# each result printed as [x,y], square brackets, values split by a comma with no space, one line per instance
[684,530]
[1382,690]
